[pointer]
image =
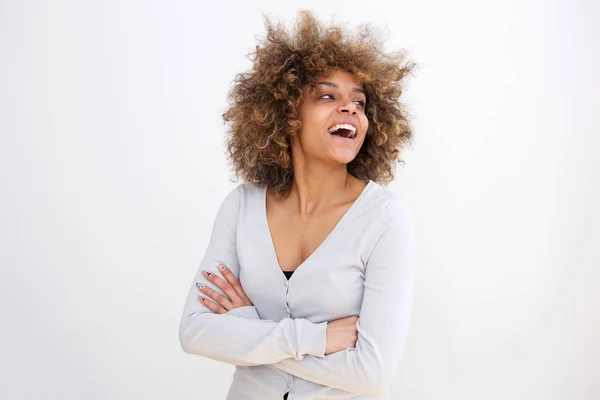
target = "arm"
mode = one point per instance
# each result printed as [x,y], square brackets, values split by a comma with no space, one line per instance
[383,322]
[240,337]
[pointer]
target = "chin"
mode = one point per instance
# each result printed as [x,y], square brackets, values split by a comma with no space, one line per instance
[343,160]
[340,155]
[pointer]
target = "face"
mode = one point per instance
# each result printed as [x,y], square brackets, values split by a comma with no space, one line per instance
[334,123]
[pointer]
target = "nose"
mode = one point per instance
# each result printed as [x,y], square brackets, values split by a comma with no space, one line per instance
[347,107]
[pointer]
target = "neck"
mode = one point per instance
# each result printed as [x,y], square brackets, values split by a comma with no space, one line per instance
[317,186]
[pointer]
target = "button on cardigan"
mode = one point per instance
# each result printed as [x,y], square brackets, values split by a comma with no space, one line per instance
[364,267]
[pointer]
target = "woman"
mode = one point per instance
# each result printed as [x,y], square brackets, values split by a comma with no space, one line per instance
[306,284]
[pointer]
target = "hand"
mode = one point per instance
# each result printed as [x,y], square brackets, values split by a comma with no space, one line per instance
[341,334]
[235,298]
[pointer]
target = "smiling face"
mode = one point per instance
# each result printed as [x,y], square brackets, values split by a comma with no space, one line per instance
[333,120]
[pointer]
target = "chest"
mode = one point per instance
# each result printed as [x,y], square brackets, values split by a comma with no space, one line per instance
[296,238]
[329,283]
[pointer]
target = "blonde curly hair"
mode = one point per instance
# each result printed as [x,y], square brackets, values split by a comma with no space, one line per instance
[263,104]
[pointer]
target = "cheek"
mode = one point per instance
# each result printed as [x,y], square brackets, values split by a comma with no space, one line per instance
[364,123]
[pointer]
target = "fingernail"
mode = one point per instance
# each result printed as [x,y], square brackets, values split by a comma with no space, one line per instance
[206,273]
[221,267]
[199,286]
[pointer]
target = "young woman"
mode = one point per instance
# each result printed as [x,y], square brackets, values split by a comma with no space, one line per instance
[306,284]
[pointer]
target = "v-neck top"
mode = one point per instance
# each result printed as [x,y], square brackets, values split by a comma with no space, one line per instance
[364,267]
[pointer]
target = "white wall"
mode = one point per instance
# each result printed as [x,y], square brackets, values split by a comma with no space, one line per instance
[112,168]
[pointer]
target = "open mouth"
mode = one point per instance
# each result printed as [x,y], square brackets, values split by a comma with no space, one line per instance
[344,130]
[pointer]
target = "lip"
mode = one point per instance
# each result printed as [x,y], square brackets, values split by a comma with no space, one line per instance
[347,121]
[343,139]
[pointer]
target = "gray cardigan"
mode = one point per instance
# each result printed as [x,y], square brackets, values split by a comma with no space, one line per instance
[364,267]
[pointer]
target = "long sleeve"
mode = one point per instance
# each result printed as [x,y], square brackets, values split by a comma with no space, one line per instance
[240,337]
[383,322]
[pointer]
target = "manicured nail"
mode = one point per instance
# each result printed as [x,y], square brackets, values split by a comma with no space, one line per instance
[206,273]
[221,267]
[199,286]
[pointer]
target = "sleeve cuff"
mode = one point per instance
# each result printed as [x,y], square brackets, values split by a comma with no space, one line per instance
[313,339]
[248,312]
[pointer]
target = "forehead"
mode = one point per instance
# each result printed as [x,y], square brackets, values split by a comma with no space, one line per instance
[340,78]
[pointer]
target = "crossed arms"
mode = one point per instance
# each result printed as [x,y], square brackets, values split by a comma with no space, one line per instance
[297,346]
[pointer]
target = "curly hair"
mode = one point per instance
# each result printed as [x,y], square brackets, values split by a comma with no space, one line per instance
[263,104]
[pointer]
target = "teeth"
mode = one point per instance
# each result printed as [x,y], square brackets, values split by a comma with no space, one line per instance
[343,126]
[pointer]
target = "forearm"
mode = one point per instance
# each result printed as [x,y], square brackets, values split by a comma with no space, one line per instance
[241,340]
[361,370]
[366,370]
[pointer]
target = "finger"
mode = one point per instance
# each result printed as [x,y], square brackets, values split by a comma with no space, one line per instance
[233,281]
[212,306]
[216,296]
[223,285]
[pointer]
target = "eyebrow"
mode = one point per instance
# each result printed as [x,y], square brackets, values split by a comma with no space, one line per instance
[356,89]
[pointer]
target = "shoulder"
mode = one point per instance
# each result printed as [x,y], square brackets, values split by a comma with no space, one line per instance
[241,194]
[395,230]
[388,205]
[247,191]
[389,216]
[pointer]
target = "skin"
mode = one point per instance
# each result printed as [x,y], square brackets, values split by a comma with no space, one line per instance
[320,195]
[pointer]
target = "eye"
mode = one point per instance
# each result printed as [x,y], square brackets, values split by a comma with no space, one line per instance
[325,95]
[360,103]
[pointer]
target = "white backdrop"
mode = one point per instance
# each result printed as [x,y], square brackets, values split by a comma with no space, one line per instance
[112,168]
